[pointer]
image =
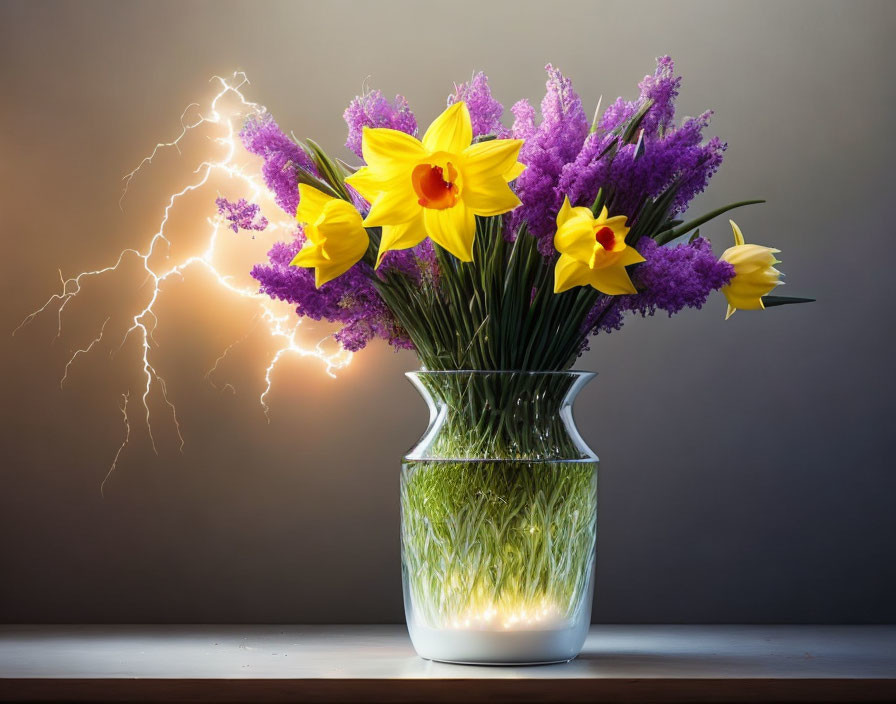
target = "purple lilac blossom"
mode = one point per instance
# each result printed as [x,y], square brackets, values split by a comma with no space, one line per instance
[666,153]
[552,145]
[242,215]
[282,157]
[670,279]
[373,110]
[485,111]
[523,120]
[662,87]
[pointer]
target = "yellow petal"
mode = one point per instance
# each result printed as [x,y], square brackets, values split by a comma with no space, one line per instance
[514,171]
[730,312]
[395,206]
[403,236]
[612,280]
[738,235]
[576,237]
[451,132]
[565,212]
[330,271]
[629,256]
[367,183]
[386,150]
[497,157]
[569,273]
[617,222]
[345,237]
[309,256]
[311,203]
[453,229]
[489,197]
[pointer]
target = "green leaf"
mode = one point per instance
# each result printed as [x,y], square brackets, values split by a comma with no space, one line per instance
[599,200]
[329,170]
[667,236]
[310,179]
[347,169]
[772,301]
[633,125]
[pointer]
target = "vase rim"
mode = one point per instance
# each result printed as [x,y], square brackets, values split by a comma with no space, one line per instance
[581,373]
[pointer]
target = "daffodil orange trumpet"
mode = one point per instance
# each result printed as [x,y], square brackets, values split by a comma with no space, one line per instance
[435,187]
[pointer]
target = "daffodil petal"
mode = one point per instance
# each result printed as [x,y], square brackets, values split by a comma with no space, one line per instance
[311,234]
[308,256]
[366,182]
[738,235]
[496,157]
[452,131]
[515,171]
[565,212]
[386,150]
[453,229]
[569,273]
[327,272]
[576,238]
[630,256]
[490,197]
[612,280]
[395,206]
[731,311]
[403,236]
[311,203]
[345,237]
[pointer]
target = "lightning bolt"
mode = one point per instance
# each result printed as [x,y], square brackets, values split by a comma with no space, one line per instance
[283,328]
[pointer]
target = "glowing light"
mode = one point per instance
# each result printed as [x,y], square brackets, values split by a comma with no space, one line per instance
[283,328]
[520,615]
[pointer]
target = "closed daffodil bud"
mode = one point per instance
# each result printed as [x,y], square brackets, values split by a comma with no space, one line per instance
[335,238]
[754,273]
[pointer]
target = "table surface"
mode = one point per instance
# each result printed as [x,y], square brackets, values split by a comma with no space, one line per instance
[377,663]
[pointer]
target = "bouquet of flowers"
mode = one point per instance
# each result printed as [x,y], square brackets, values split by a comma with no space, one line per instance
[495,253]
[486,247]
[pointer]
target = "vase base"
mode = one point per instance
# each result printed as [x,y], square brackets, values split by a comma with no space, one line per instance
[501,664]
[508,648]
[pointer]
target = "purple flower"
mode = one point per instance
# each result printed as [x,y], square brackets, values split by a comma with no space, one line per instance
[524,120]
[373,110]
[282,159]
[485,111]
[552,145]
[670,279]
[664,155]
[242,215]
[662,87]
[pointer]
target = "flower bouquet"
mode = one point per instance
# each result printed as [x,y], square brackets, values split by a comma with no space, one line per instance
[495,253]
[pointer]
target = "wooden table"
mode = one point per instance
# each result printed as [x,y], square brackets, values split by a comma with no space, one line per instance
[377,664]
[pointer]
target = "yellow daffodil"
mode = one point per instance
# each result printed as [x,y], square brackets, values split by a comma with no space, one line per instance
[436,186]
[592,251]
[336,238]
[754,273]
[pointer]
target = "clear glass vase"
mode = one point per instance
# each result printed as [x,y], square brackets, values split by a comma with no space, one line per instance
[499,519]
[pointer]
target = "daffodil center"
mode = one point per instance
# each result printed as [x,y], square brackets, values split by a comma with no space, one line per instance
[434,187]
[606,238]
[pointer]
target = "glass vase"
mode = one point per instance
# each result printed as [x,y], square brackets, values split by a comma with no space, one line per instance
[499,519]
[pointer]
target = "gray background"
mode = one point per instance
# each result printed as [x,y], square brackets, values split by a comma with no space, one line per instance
[746,472]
